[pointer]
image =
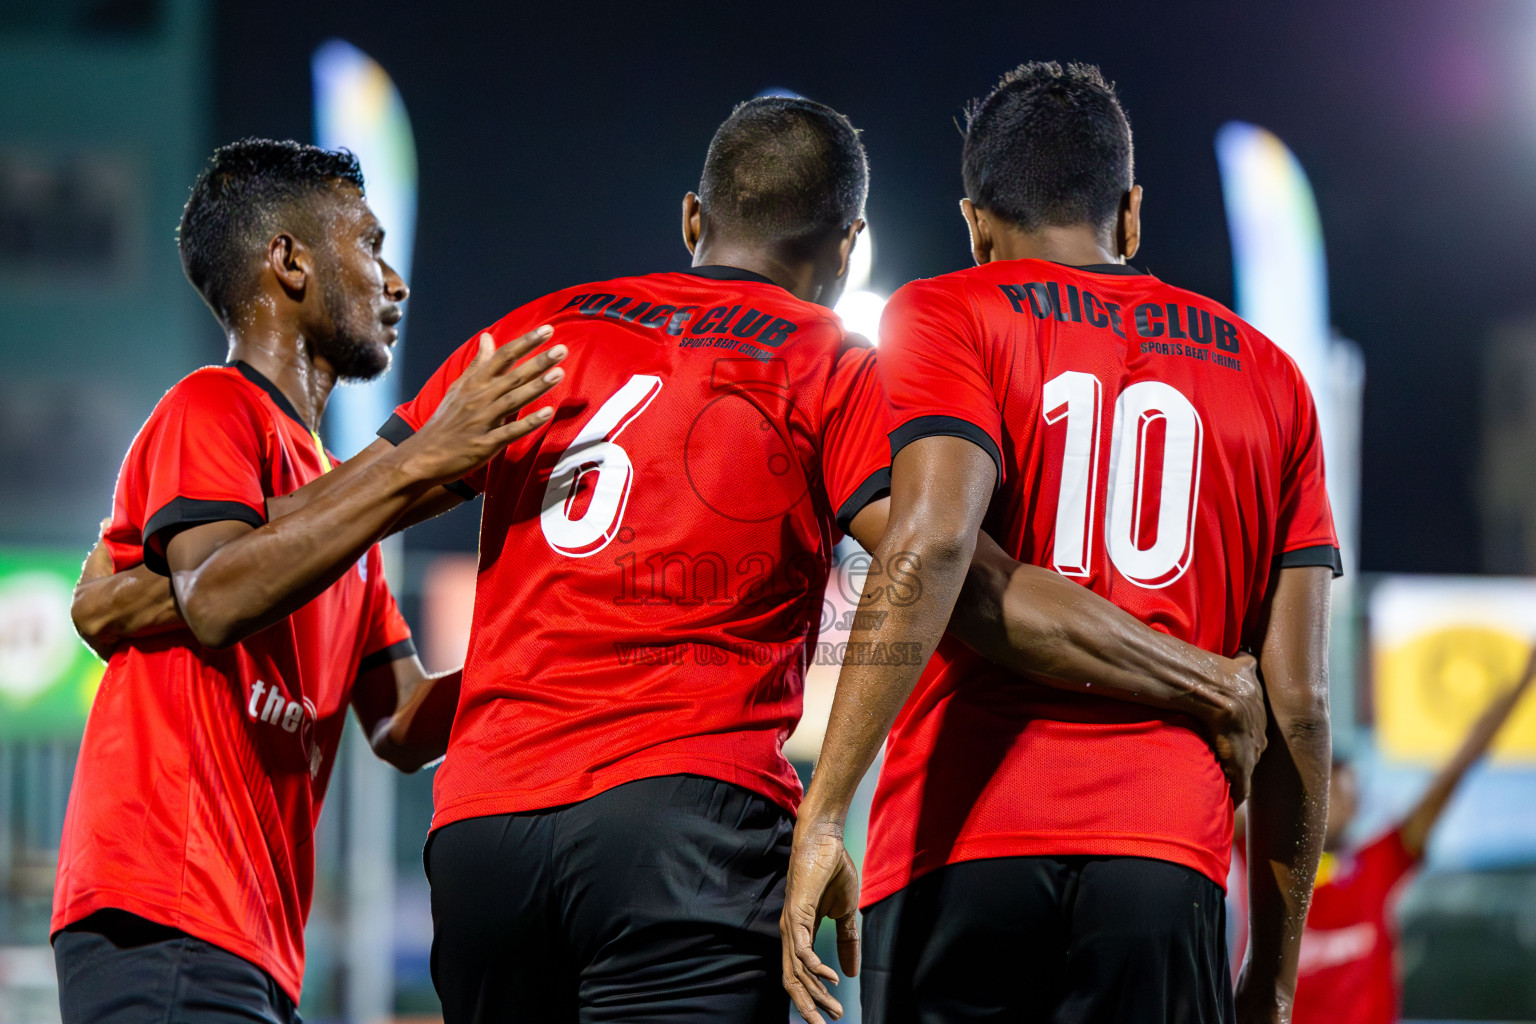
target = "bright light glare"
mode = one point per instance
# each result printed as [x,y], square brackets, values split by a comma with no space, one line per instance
[861,261]
[860,311]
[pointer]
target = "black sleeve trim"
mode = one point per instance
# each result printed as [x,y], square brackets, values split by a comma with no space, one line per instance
[1321,554]
[947,426]
[877,486]
[180,513]
[384,655]
[395,429]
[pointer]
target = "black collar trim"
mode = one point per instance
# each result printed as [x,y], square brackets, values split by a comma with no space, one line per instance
[716,273]
[279,399]
[1107,268]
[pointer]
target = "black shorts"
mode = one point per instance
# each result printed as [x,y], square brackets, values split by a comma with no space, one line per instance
[1050,940]
[658,900]
[116,968]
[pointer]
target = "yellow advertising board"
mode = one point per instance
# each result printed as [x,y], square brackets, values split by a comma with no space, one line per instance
[1442,647]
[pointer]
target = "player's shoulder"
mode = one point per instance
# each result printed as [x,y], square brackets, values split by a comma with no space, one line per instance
[215,390]
[1251,341]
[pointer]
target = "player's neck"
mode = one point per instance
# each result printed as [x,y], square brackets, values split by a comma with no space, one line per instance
[796,276]
[286,358]
[1075,245]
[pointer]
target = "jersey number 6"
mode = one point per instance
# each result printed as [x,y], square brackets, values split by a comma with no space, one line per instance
[1149,545]
[595,453]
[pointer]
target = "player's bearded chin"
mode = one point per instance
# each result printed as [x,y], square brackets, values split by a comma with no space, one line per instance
[355,349]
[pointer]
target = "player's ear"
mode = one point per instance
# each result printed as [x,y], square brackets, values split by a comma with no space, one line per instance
[1128,225]
[981,232]
[289,261]
[693,221]
[846,244]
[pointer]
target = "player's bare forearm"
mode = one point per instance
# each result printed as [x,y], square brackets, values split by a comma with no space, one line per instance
[940,490]
[1288,809]
[109,609]
[232,581]
[1421,820]
[412,728]
[939,493]
[433,503]
[1040,624]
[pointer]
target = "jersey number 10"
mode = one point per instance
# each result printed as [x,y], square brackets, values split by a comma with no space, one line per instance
[1151,548]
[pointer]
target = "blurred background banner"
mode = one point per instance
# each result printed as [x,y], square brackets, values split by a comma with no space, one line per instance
[357,107]
[47,676]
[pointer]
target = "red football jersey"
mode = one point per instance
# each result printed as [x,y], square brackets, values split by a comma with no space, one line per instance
[652,562]
[1151,446]
[201,772]
[1349,948]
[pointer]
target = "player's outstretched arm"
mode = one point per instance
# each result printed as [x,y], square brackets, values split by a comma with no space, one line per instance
[939,492]
[429,505]
[108,607]
[1288,808]
[231,580]
[1039,623]
[1420,822]
[407,712]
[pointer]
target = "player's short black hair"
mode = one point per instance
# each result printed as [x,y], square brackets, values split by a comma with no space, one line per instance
[1049,146]
[784,169]
[249,190]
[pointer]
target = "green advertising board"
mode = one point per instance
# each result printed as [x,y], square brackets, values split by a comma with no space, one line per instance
[48,677]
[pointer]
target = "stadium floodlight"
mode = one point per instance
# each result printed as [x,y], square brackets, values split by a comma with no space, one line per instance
[357,107]
[859,307]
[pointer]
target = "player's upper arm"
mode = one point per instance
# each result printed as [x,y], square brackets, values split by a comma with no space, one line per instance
[204,461]
[1293,646]
[855,456]
[936,375]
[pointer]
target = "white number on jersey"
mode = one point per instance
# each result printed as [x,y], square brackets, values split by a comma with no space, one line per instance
[1077,398]
[595,451]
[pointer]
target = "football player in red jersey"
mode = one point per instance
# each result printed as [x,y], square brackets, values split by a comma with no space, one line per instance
[186,865]
[1349,969]
[1034,855]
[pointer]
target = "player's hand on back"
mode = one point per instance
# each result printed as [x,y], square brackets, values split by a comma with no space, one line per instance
[822,882]
[1238,736]
[478,416]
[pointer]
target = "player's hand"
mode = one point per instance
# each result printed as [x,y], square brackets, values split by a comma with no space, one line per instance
[1261,1000]
[478,416]
[98,566]
[1238,731]
[822,883]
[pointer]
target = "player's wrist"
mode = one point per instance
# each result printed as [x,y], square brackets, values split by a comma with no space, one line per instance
[415,467]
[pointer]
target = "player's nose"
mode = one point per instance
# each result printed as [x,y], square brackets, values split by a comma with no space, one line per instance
[394,284]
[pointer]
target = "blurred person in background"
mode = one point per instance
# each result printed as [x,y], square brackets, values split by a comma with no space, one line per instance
[237,640]
[1349,970]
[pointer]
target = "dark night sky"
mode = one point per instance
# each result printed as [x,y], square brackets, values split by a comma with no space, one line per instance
[556,141]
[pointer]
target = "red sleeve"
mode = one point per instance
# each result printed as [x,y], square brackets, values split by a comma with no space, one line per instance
[855,455]
[203,455]
[1305,527]
[934,372]
[388,636]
